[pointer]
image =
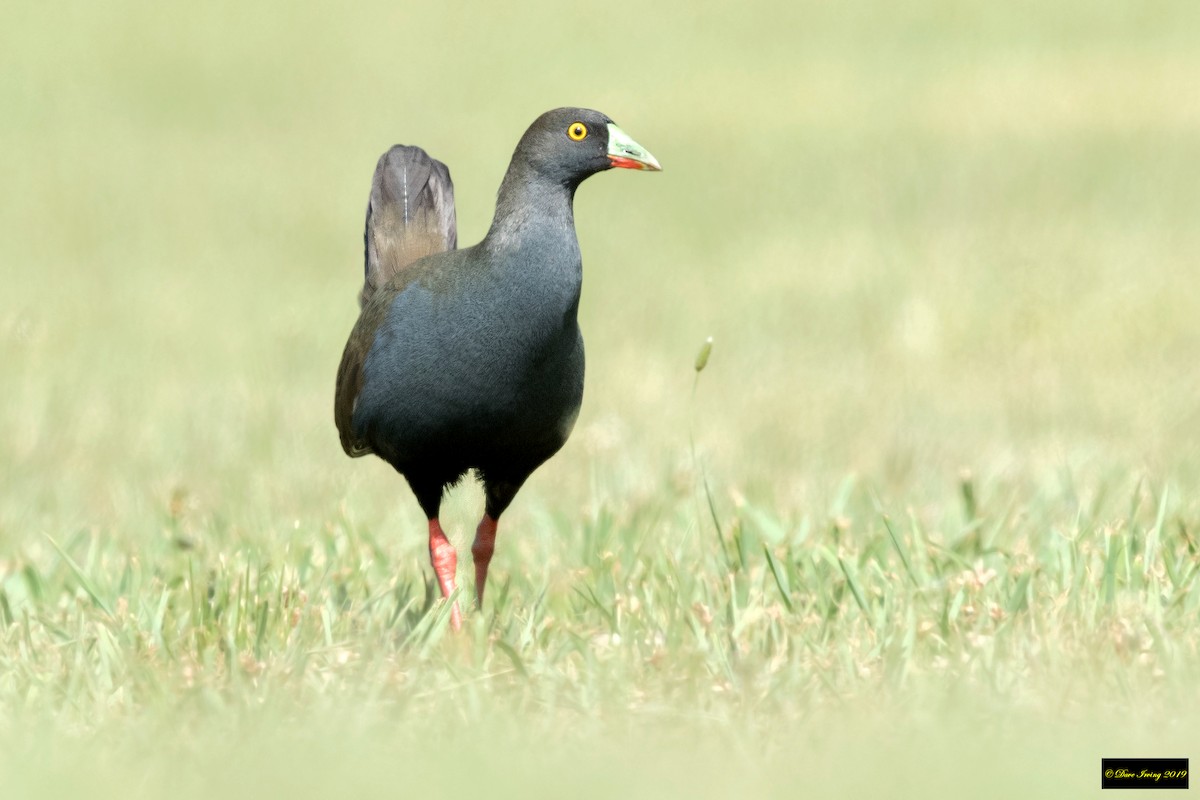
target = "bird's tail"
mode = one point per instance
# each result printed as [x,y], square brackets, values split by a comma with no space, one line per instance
[410,214]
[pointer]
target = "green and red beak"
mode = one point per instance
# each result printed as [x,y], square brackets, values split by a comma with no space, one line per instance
[624,152]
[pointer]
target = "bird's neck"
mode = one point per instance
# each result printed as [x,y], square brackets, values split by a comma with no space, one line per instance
[532,212]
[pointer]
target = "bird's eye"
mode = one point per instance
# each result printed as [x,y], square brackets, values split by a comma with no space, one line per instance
[577,131]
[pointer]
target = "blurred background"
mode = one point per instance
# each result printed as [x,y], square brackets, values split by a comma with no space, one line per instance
[925,236]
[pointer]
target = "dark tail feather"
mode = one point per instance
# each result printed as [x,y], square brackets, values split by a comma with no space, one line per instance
[410,214]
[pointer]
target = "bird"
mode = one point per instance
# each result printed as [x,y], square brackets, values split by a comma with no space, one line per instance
[472,359]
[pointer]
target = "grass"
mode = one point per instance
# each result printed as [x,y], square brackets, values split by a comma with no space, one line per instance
[632,626]
[927,525]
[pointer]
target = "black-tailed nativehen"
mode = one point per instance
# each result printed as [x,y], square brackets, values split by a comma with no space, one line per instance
[473,358]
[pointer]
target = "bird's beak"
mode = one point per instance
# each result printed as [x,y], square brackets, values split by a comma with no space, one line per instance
[624,152]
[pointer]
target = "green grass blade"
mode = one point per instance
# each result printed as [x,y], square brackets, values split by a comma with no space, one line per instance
[84,580]
[900,550]
[781,579]
[855,589]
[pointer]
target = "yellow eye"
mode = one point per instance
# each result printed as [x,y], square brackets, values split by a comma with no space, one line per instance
[577,131]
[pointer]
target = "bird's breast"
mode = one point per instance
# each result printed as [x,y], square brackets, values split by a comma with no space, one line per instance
[493,358]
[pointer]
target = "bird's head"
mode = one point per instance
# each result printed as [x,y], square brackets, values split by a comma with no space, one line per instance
[569,144]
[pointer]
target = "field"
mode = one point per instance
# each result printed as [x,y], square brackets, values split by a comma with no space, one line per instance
[927,524]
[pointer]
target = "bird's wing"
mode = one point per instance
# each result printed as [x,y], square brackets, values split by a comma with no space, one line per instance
[410,215]
[350,376]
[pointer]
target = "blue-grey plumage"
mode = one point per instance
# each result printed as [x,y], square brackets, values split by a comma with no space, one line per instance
[479,365]
[473,358]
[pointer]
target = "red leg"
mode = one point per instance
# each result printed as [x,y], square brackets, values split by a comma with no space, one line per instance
[445,562]
[485,544]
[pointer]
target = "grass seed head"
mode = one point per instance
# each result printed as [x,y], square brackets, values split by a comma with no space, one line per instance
[705,352]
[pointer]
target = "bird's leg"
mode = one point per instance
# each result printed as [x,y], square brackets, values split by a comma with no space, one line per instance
[481,550]
[445,562]
[498,493]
